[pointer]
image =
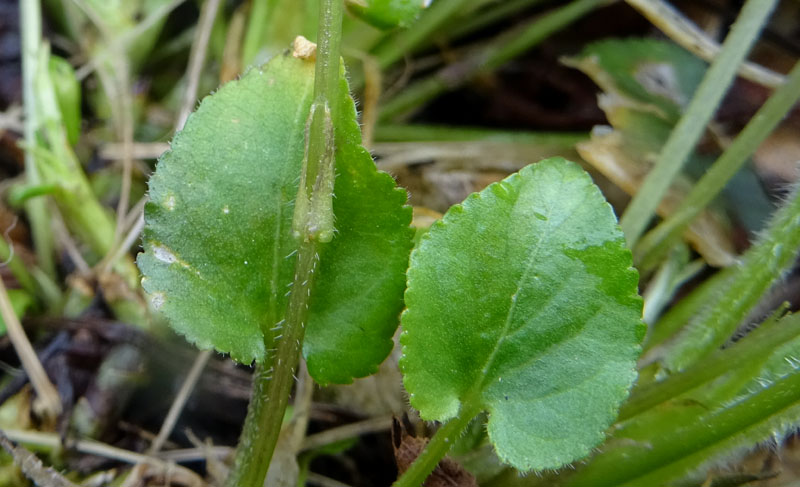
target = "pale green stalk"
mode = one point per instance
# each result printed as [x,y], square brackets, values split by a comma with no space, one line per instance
[656,243]
[31,25]
[487,58]
[691,126]
[60,169]
[490,15]
[756,346]
[393,48]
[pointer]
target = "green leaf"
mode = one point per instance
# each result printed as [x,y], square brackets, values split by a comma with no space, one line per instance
[219,255]
[522,302]
[705,415]
[386,14]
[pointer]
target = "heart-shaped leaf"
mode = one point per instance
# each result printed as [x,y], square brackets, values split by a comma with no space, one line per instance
[522,302]
[219,253]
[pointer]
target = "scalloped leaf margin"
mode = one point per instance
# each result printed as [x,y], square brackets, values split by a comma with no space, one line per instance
[522,302]
[219,254]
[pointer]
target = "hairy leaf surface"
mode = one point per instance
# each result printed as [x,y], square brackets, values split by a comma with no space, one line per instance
[522,302]
[219,255]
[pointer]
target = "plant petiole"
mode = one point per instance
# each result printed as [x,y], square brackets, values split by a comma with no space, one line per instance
[436,449]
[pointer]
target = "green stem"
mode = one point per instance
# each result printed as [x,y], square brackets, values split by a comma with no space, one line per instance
[274,378]
[691,126]
[757,345]
[679,314]
[436,449]
[83,213]
[675,449]
[31,24]
[393,48]
[655,244]
[488,58]
[326,74]
[763,264]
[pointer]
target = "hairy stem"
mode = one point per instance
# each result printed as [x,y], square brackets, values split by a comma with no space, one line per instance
[273,380]
[312,225]
[762,265]
[691,126]
[760,343]
[701,439]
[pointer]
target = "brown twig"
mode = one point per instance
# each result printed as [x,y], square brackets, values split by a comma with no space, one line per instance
[197,58]
[685,33]
[32,467]
[139,150]
[91,447]
[49,401]
[322,481]
[352,430]
[180,401]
